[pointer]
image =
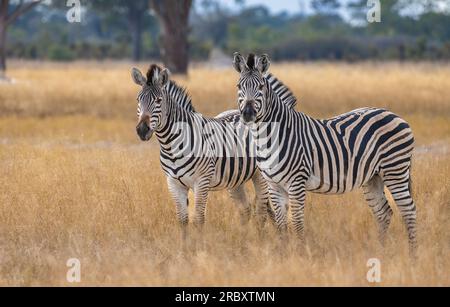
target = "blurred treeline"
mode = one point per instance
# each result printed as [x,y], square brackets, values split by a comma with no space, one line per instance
[408,30]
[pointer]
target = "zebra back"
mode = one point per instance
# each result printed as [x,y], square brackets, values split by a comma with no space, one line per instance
[229,116]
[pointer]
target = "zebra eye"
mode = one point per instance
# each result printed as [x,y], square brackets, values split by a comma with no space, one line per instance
[261,86]
[239,86]
[159,99]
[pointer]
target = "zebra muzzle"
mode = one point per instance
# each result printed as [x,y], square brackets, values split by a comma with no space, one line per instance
[248,113]
[144,132]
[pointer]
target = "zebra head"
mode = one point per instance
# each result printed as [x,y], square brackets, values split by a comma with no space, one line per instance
[152,99]
[252,85]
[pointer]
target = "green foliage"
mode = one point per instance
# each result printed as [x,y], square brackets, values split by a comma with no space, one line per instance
[253,39]
[325,7]
[105,32]
[199,50]
[60,53]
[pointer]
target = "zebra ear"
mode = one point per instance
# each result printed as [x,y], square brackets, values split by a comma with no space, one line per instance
[137,76]
[238,62]
[263,63]
[163,77]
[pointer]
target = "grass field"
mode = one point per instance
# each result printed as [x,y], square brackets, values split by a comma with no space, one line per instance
[77,183]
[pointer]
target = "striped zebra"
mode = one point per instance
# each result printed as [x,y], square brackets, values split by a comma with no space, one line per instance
[368,147]
[196,152]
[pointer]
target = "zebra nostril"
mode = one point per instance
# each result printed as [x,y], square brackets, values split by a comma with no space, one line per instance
[142,130]
[248,113]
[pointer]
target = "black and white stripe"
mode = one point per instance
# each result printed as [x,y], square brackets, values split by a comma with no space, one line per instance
[368,147]
[196,152]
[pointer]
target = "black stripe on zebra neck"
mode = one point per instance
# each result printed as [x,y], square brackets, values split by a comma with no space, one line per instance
[180,96]
[165,133]
[175,114]
[282,91]
[276,110]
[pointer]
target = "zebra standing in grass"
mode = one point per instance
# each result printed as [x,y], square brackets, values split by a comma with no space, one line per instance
[196,152]
[368,147]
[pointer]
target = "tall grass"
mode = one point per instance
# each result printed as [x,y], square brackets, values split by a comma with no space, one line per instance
[323,89]
[77,183]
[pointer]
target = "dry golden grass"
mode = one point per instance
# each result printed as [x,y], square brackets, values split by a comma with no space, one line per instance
[76,182]
[323,89]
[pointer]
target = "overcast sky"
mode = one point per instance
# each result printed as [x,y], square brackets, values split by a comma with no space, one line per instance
[275,6]
[297,6]
[278,6]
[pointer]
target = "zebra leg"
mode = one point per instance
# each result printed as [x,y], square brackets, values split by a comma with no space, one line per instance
[399,184]
[200,197]
[297,195]
[240,198]
[180,196]
[263,207]
[280,201]
[375,197]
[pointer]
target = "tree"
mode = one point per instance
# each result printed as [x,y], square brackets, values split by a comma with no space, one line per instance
[389,13]
[173,16]
[424,6]
[135,12]
[325,7]
[8,15]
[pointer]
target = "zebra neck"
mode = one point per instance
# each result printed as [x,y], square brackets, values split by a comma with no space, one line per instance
[283,121]
[277,111]
[173,113]
[174,129]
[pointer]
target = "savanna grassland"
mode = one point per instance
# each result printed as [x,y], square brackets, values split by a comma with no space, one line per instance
[77,183]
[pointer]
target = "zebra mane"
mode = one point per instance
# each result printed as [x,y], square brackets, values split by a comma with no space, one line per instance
[180,95]
[251,61]
[282,91]
[153,73]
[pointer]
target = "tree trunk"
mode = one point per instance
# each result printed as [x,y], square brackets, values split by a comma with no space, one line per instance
[135,20]
[174,17]
[175,49]
[3,26]
[7,19]
[2,50]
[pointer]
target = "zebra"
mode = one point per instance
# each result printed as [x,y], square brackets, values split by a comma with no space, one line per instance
[164,108]
[368,147]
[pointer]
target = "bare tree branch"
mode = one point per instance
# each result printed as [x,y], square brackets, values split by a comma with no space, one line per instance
[21,8]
